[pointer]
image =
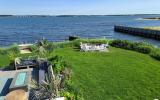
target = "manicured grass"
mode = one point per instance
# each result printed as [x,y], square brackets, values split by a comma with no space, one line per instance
[4,61]
[117,75]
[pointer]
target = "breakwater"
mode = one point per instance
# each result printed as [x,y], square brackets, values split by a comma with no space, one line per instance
[148,33]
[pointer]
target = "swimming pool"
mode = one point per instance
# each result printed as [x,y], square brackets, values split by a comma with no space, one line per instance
[20,79]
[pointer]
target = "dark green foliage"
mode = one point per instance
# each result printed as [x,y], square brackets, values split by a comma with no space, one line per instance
[144,49]
[13,52]
[13,49]
[3,52]
[155,54]
[49,47]
[7,55]
[33,48]
[71,92]
[120,44]
[135,46]
[58,64]
[4,61]
[92,41]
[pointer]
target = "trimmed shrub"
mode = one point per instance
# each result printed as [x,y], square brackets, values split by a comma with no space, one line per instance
[144,49]
[121,44]
[76,43]
[94,41]
[155,54]
[135,46]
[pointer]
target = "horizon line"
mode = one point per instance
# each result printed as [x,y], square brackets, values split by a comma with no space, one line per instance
[70,14]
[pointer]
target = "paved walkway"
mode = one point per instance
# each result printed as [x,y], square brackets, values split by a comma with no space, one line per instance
[12,73]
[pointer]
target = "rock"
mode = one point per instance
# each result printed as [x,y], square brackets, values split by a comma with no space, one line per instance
[16,95]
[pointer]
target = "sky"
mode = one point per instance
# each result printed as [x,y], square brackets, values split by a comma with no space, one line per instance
[78,7]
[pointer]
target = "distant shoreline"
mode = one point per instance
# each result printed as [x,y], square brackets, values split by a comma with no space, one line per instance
[152,18]
[5,15]
[81,15]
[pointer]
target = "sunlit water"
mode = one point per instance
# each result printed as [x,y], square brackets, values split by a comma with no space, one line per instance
[18,29]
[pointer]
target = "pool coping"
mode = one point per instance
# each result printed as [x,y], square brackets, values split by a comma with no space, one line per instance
[24,86]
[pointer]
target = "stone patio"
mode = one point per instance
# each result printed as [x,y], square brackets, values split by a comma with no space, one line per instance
[6,79]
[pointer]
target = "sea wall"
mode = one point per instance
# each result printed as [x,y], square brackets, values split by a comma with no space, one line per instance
[153,34]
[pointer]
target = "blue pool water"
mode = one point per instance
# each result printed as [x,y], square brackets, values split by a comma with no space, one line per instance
[18,29]
[20,79]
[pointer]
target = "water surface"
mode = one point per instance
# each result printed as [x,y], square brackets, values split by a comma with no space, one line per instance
[18,29]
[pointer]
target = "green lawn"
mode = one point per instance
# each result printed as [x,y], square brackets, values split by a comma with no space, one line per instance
[4,60]
[117,75]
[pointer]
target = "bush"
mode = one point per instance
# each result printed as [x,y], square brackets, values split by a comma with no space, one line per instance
[59,65]
[76,43]
[92,41]
[3,52]
[155,54]
[135,46]
[33,48]
[71,92]
[13,49]
[144,49]
[121,44]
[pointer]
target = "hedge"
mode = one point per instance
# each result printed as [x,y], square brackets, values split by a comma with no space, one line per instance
[135,46]
[155,54]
